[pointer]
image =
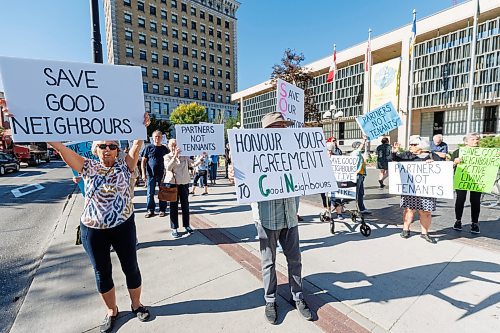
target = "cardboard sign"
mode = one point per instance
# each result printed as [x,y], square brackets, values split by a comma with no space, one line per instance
[68,101]
[379,121]
[477,170]
[345,169]
[195,139]
[290,102]
[421,179]
[84,149]
[279,163]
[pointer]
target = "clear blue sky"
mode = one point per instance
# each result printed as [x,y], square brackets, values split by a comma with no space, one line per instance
[60,29]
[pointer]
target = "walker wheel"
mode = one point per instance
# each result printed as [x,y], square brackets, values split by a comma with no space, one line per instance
[332,227]
[365,230]
[321,217]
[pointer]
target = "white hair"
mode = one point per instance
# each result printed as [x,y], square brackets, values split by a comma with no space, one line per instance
[95,143]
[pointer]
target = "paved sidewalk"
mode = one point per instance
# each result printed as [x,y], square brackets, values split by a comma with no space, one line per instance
[210,281]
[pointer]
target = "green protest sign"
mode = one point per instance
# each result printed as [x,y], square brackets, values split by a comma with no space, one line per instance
[477,170]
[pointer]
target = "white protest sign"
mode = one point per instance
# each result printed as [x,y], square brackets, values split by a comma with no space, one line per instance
[422,179]
[69,101]
[290,102]
[279,163]
[345,169]
[379,121]
[195,139]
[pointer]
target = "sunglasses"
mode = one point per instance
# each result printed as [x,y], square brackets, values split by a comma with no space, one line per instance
[413,144]
[110,146]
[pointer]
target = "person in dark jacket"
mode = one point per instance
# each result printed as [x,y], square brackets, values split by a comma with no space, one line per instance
[419,151]
[383,156]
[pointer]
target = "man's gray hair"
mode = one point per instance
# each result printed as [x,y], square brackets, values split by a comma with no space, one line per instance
[438,136]
[471,135]
[157,131]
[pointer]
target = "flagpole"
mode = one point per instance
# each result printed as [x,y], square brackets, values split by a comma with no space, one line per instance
[471,70]
[412,68]
[367,84]
[334,99]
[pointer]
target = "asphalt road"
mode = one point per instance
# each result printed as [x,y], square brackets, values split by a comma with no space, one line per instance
[31,202]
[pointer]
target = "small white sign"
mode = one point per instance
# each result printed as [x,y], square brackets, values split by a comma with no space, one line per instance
[345,169]
[422,179]
[69,101]
[276,163]
[199,138]
[290,102]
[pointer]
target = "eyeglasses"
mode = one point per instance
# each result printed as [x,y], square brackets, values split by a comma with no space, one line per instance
[413,144]
[110,146]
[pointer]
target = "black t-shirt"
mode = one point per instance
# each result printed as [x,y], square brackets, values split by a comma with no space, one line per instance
[154,154]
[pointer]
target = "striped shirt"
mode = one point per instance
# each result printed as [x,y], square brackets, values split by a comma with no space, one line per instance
[276,214]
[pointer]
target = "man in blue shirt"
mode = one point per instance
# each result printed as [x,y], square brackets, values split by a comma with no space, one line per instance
[153,169]
[438,146]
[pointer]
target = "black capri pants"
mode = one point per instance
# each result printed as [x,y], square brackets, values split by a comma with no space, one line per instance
[97,243]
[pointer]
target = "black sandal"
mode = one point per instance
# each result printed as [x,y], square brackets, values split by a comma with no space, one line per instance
[108,323]
[141,312]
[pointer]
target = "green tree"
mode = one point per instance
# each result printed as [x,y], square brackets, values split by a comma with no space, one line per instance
[290,70]
[490,141]
[159,124]
[231,123]
[191,113]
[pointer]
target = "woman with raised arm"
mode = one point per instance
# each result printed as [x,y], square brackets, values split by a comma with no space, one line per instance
[108,220]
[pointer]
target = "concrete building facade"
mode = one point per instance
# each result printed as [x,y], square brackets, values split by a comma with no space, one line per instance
[186,50]
[440,78]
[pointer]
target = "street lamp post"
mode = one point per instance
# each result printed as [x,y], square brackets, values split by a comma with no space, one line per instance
[96,32]
[333,115]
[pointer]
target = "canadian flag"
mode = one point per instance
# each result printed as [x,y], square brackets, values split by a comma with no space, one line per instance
[333,67]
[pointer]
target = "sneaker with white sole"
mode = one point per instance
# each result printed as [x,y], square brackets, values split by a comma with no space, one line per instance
[474,228]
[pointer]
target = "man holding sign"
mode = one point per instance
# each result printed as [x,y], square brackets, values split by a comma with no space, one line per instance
[277,220]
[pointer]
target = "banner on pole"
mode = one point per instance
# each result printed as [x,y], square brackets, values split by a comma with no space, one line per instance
[290,102]
[345,169]
[384,83]
[477,170]
[195,139]
[69,101]
[421,179]
[280,163]
[379,121]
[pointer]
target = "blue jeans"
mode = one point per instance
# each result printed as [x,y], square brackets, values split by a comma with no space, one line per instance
[152,182]
[360,192]
[97,243]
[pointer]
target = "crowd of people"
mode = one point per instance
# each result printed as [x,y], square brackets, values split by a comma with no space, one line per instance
[108,219]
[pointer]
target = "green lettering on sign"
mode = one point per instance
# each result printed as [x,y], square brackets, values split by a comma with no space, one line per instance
[477,170]
[266,192]
[289,183]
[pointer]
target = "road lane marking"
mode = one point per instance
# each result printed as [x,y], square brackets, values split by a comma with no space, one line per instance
[18,193]
[24,173]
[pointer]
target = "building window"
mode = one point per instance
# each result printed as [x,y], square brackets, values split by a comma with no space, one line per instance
[210,18]
[203,55]
[166,90]
[219,85]
[173,3]
[211,31]
[185,50]
[176,77]
[212,71]
[219,97]
[140,6]
[202,28]
[163,14]
[164,30]
[156,89]
[194,40]
[228,99]
[212,97]
[204,83]
[152,26]
[228,75]
[175,33]
[203,69]
[219,47]
[156,105]
[128,35]
[174,18]
[210,44]
[195,94]
[184,7]
[193,11]
[219,22]
[164,45]
[185,65]
[211,58]
[228,50]
[219,34]
[142,39]
[152,10]
[202,14]
[219,73]
[126,3]
[228,87]
[226,38]
[186,79]
[141,22]
[194,53]
[176,63]
[154,57]
[195,81]
[154,42]
[177,92]
[212,84]
[228,62]
[203,42]
[165,60]
[127,18]
[193,25]
[186,92]
[184,22]
[154,73]
[195,68]
[184,36]
[145,88]
[226,24]
[175,48]
[129,52]
[142,55]
[203,95]
[144,71]
[219,60]
[166,75]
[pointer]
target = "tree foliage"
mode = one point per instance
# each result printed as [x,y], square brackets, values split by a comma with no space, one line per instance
[490,141]
[230,123]
[159,124]
[291,71]
[191,113]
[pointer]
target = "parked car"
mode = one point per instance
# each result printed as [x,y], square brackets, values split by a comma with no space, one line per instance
[8,163]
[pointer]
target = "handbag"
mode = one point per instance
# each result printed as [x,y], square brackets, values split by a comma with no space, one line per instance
[168,192]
